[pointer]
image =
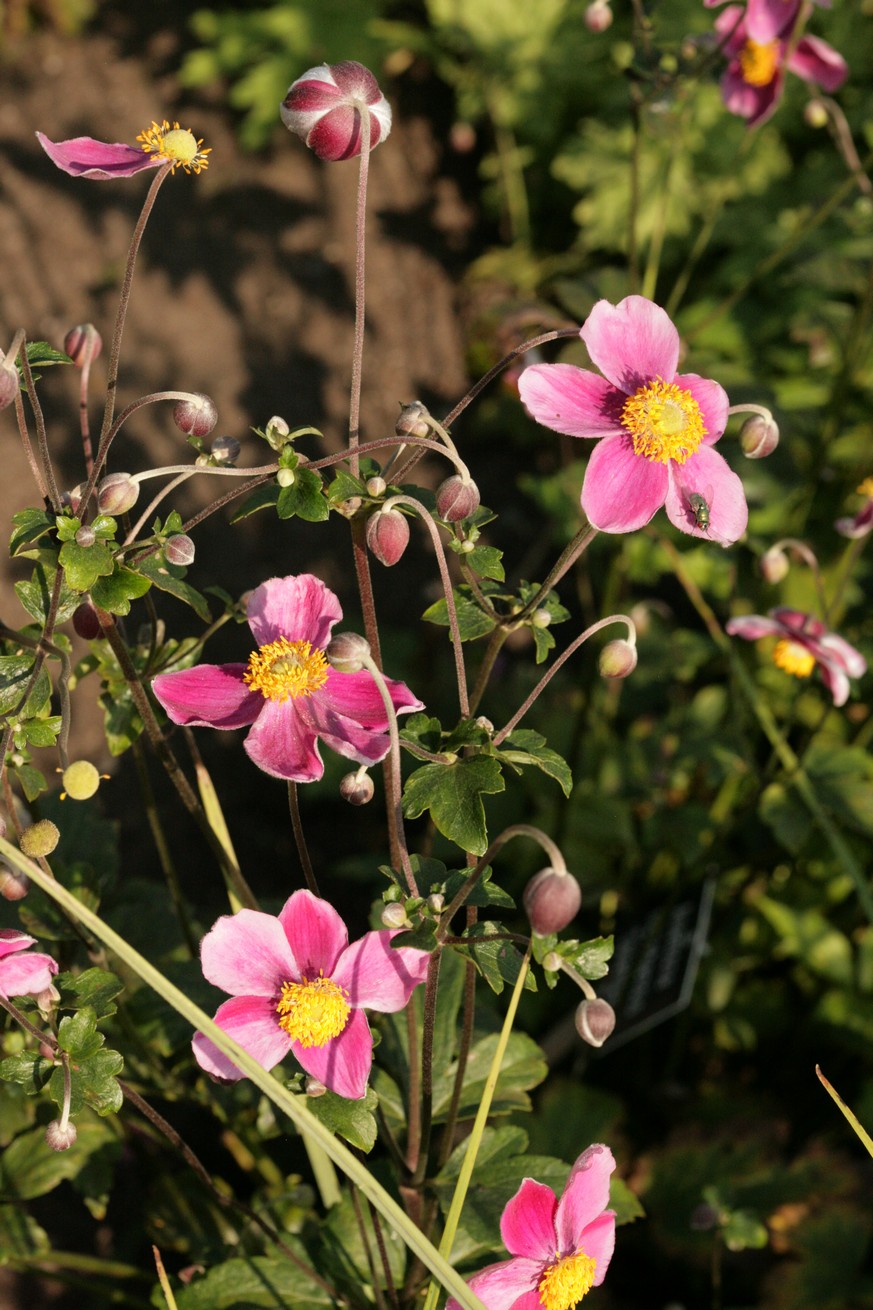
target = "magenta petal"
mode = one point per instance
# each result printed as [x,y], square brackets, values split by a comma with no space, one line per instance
[300,608]
[622,490]
[707,474]
[571,400]
[13,940]
[755,103]
[82,156]
[836,682]
[208,696]
[798,622]
[632,342]
[26,975]
[356,696]
[337,134]
[316,933]
[251,1021]
[499,1286]
[282,743]
[354,80]
[527,1224]
[378,977]
[343,1064]
[247,954]
[343,735]
[815,61]
[859,525]
[585,1197]
[753,626]
[713,401]
[835,649]
[598,1241]
[766,19]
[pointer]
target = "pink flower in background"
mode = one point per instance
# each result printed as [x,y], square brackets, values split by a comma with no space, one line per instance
[325,108]
[560,1248]
[804,642]
[288,694]
[765,19]
[21,974]
[860,524]
[297,986]
[655,427]
[82,156]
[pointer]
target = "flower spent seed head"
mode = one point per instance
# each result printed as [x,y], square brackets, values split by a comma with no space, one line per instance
[175,144]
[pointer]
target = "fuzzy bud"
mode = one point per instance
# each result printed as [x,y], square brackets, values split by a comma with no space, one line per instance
[394,916]
[86,536]
[117,493]
[196,416]
[347,651]
[413,420]
[85,621]
[357,790]
[598,16]
[551,901]
[436,902]
[312,1086]
[759,437]
[457,498]
[179,550]
[277,433]
[60,1137]
[41,839]
[14,886]
[815,113]
[774,565]
[388,535]
[81,780]
[595,1021]
[9,385]
[376,487]
[83,344]
[225,450]
[617,659]
[324,108]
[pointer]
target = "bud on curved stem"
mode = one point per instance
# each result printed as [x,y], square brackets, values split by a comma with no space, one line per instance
[394,757]
[759,435]
[799,550]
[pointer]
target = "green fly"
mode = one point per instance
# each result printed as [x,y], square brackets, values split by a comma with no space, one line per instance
[699,507]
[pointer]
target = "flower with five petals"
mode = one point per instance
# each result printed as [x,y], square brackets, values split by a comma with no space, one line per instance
[804,642]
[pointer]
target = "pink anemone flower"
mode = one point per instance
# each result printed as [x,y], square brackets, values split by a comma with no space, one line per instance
[21,974]
[560,1248]
[765,19]
[83,156]
[860,524]
[655,428]
[287,693]
[755,75]
[804,642]
[325,107]
[297,985]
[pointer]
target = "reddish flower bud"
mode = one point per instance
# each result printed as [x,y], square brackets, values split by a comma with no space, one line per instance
[357,789]
[196,416]
[457,498]
[412,420]
[325,105]
[9,384]
[598,16]
[388,535]
[595,1021]
[86,536]
[347,651]
[60,1137]
[117,493]
[14,886]
[759,437]
[551,900]
[83,344]
[179,550]
[85,621]
[618,659]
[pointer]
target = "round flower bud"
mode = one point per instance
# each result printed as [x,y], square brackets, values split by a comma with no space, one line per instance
[347,651]
[552,961]
[357,790]
[286,477]
[46,1051]
[540,618]
[598,16]
[312,1086]
[60,1137]
[412,421]
[86,536]
[388,535]
[225,450]
[774,565]
[80,780]
[349,507]
[277,433]
[9,384]
[85,621]
[196,416]
[457,498]
[376,487]
[14,886]
[618,659]
[394,916]
[41,839]
[815,113]
[436,902]
[759,437]
[179,550]
[595,1021]
[83,344]
[325,105]
[551,900]
[117,493]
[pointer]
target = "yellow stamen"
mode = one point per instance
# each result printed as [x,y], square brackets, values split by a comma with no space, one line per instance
[177,144]
[759,61]
[566,1281]
[311,1013]
[866,488]
[285,668]
[664,421]
[793,658]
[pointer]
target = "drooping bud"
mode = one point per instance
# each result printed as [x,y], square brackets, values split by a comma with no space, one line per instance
[551,900]
[457,498]
[617,659]
[325,106]
[357,789]
[815,113]
[313,1087]
[40,839]
[9,385]
[117,493]
[394,916]
[60,1137]
[196,416]
[85,621]
[81,780]
[277,433]
[388,535]
[598,16]
[225,450]
[349,507]
[412,420]
[595,1021]
[759,437]
[347,651]
[376,487]
[179,550]
[83,344]
[14,886]
[774,565]
[86,536]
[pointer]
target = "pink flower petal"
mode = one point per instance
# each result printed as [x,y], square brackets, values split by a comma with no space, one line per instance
[13,940]
[622,490]
[585,1197]
[631,342]
[707,475]
[766,19]
[755,103]
[315,932]
[300,608]
[208,696]
[798,622]
[283,744]
[500,1286]
[753,626]
[713,401]
[356,696]
[571,400]
[378,977]
[527,1225]
[859,525]
[835,649]
[356,81]
[343,1064]
[26,975]
[598,1241]
[82,156]
[251,1021]
[836,682]
[338,134]
[815,61]
[343,735]
[730,27]
[247,954]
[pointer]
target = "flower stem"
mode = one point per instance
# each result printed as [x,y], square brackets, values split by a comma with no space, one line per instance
[300,838]
[360,290]
[394,799]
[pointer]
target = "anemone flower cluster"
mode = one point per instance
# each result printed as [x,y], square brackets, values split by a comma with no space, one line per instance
[804,643]
[23,973]
[655,428]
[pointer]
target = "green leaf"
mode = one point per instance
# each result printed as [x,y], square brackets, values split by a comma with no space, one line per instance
[78,1034]
[29,1071]
[29,1167]
[498,961]
[353,1120]
[96,1081]
[624,1202]
[41,355]
[30,525]
[344,486]
[43,733]
[15,671]
[544,642]
[262,1282]
[94,988]
[485,892]
[264,497]
[485,561]
[424,730]
[523,1067]
[743,1232]
[31,781]
[21,1235]
[83,565]
[304,498]
[787,816]
[348,1252]
[807,935]
[527,747]
[473,622]
[114,593]
[169,578]
[453,795]
[36,594]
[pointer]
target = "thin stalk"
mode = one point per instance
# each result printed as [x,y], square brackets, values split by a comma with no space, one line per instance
[555,857]
[234,880]
[383,1254]
[183,472]
[565,561]
[466,1041]
[162,846]
[84,382]
[360,291]
[28,447]
[431,990]
[300,839]
[41,436]
[393,800]
[368,1253]
[164,1280]
[492,650]
[413,1123]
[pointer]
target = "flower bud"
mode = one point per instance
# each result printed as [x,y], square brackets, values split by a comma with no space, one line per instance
[81,780]
[759,436]
[14,886]
[394,916]
[598,16]
[73,498]
[347,651]
[40,839]
[551,900]
[9,385]
[388,535]
[83,344]
[595,1021]
[349,507]
[225,450]
[815,113]
[277,433]
[540,618]
[435,902]
[60,1137]
[179,550]
[617,659]
[85,621]
[117,493]
[376,487]
[86,536]
[196,416]
[412,421]
[312,1086]
[552,961]
[325,105]
[357,789]
[774,565]
[46,1051]
[457,498]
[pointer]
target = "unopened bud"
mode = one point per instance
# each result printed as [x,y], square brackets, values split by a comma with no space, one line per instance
[286,477]
[540,618]
[9,385]
[595,1021]
[815,113]
[83,344]
[598,16]
[394,916]
[376,487]
[551,901]
[435,902]
[325,105]
[313,1087]
[46,1051]
[117,493]
[388,535]
[196,416]
[41,839]
[551,961]
[225,450]
[349,507]
[774,565]
[617,659]
[347,651]
[73,498]
[759,437]
[457,498]
[179,550]
[85,621]
[413,420]
[14,886]
[81,780]
[357,790]
[60,1137]
[86,536]
[277,432]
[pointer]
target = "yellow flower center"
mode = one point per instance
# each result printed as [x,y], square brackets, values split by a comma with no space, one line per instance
[286,668]
[759,61]
[866,488]
[311,1013]
[793,658]
[664,422]
[566,1281]
[177,144]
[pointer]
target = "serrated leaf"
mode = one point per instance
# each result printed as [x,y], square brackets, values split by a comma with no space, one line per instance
[43,733]
[423,729]
[30,525]
[452,793]
[344,486]
[94,988]
[78,1035]
[96,1078]
[15,671]
[523,1068]
[261,498]
[114,593]
[486,562]
[591,959]
[473,622]
[35,595]
[41,355]
[261,1282]
[544,641]
[304,498]
[29,1071]
[527,747]
[497,959]
[349,1249]
[353,1120]
[169,578]
[484,892]
[31,781]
